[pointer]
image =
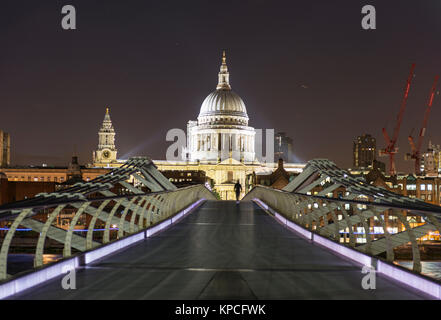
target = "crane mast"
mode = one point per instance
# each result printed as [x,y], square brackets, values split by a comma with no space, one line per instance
[416,149]
[390,149]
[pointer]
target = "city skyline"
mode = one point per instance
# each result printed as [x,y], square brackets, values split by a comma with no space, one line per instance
[183,152]
[322,83]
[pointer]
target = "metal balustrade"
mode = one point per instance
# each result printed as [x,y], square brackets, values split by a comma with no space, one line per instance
[131,212]
[307,204]
[334,218]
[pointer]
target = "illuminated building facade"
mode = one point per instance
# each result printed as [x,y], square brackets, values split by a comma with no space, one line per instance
[183,179]
[364,151]
[221,130]
[51,173]
[105,155]
[221,143]
[430,161]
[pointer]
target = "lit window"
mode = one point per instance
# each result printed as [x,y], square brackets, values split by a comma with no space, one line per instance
[378,230]
[423,187]
[392,230]
[429,187]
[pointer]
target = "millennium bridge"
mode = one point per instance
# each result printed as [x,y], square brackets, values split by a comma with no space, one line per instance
[146,239]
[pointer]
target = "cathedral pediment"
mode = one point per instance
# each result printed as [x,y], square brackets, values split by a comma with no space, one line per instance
[230,161]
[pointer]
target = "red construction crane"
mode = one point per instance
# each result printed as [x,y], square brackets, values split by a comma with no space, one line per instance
[390,149]
[416,150]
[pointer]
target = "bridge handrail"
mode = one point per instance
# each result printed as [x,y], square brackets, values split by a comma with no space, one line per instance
[131,213]
[328,217]
[434,209]
[9,210]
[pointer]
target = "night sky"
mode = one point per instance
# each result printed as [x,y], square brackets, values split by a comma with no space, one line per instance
[303,67]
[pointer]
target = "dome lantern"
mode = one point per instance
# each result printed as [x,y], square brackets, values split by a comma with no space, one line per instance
[224,76]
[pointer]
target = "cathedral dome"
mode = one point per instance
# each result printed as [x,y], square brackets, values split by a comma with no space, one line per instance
[223,102]
[223,105]
[221,131]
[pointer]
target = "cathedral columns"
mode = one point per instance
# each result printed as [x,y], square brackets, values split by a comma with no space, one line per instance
[213,142]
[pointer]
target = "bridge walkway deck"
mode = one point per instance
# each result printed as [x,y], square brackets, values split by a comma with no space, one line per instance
[222,251]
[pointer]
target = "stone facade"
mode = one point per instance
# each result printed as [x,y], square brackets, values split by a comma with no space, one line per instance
[49,174]
[221,130]
[226,173]
[105,155]
[221,143]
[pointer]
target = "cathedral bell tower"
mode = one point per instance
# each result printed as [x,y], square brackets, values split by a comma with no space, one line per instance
[106,153]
